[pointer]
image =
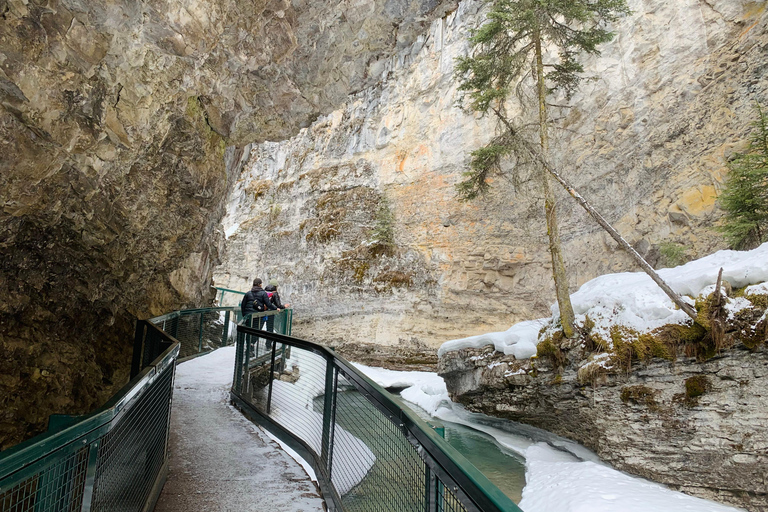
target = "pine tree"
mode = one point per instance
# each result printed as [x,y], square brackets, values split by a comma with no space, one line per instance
[745,195]
[505,48]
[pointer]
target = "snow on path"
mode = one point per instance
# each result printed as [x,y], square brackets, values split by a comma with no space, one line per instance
[219,459]
[556,480]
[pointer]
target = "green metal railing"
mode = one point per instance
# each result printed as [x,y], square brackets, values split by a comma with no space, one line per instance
[115,458]
[369,451]
[226,297]
[200,331]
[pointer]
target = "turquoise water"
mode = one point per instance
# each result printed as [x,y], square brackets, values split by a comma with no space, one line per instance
[502,467]
[393,464]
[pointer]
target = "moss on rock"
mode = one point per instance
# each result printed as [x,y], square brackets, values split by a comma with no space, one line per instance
[641,395]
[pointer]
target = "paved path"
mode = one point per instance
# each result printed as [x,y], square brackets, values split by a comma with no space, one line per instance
[220,461]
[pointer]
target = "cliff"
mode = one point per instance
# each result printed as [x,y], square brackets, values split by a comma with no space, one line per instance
[645,140]
[120,123]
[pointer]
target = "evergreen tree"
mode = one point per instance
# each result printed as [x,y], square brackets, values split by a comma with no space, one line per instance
[505,48]
[745,196]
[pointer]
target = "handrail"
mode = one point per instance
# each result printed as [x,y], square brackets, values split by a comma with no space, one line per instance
[120,450]
[25,453]
[221,293]
[202,330]
[230,291]
[57,470]
[451,479]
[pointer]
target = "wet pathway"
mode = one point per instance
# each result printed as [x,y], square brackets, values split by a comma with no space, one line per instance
[220,461]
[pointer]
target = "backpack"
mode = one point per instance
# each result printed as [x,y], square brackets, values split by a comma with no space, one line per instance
[257,304]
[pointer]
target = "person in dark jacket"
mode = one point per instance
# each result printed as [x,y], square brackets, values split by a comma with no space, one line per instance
[256,300]
[275,298]
[272,287]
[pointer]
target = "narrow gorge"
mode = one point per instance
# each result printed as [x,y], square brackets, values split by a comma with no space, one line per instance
[151,150]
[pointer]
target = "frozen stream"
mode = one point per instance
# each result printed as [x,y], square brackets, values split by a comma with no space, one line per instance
[502,466]
[560,476]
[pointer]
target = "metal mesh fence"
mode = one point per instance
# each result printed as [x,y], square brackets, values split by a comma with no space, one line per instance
[226,297]
[201,330]
[393,474]
[110,460]
[448,502]
[366,448]
[132,454]
[57,486]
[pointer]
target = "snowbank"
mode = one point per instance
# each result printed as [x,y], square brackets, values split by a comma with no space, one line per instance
[519,340]
[632,299]
[293,408]
[555,483]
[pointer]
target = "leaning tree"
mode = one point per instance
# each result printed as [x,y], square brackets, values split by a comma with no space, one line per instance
[509,49]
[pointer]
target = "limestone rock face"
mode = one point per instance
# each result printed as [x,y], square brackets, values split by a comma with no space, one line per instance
[646,141]
[652,422]
[119,122]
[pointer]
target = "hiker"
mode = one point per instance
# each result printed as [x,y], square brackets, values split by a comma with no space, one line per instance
[256,300]
[271,289]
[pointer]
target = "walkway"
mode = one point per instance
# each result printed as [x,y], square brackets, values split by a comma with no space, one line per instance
[220,461]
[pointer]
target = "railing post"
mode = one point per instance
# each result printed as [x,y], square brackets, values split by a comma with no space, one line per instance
[225,335]
[150,348]
[138,343]
[290,321]
[430,485]
[90,476]
[237,378]
[271,377]
[329,399]
[247,363]
[436,489]
[200,329]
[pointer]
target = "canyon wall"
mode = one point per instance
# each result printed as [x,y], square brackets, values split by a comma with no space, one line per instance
[120,123]
[697,427]
[646,139]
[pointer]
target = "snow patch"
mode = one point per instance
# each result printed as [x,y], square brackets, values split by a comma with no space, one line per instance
[553,483]
[735,305]
[757,289]
[231,230]
[633,300]
[518,340]
[562,478]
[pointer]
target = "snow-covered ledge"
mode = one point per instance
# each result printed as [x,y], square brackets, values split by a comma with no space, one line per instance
[633,300]
[696,424]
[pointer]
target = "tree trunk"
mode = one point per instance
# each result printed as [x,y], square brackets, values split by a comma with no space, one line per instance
[558,266]
[718,315]
[542,162]
[687,308]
